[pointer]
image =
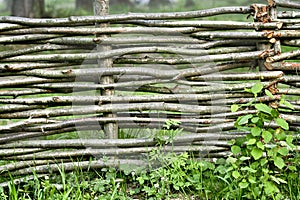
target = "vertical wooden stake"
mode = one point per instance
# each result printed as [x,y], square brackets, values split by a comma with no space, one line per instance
[262,14]
[273,16]
[101,7]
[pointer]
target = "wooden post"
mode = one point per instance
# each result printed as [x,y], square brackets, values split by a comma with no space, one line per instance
[273,18]
[262,14]
[101,7]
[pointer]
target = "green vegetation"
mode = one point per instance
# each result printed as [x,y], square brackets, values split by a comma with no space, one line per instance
[263,165]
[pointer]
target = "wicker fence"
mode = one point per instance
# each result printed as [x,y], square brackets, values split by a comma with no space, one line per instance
[105,85]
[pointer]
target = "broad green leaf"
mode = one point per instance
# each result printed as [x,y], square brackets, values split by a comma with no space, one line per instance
[254,120]
[272,152]
[252,179]
[260,145]
[220,161]
[140,180]
[236,174]
[280,135]
[257,88]
[249,169]
[231,142]
[270,188]
[235,149]
[256,153]
[255,131]
[292,168]
[287,104]
[263,108]
[279,162]
[283,151]
[221,169]
[234,108]
[269,94]
[263,161]
[231,160]
[267,136]
[243,184]
[289,141]
[265,170]
[244,120]
[282,123]
[251,141]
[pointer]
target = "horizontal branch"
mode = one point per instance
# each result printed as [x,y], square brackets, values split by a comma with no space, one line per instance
[8,27]
[288,4]
[27,66]
[295,43]
[283,56]
[82,165]
[209,24]
[232,76]
[288,14]
[135,120]
[125,40]
[283,66]
[288,79]
[83,143]
[23,81]
[291,118]
[114,108]
[16,108]
[27,135]
[26,38]
[83,20]
[248,35]
[25,123]
[93,99]
[18,151]
[114,152]
[93,31]
[152,49]
[39,48]
[289,91]
[226,43]
[221,87]
[17,93]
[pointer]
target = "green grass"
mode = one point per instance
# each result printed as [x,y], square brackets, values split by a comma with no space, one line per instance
[179,176]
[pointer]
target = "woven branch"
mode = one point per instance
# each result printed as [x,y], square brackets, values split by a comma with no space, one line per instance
[124,51]
[113,18]
[288,4]
[210,24]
